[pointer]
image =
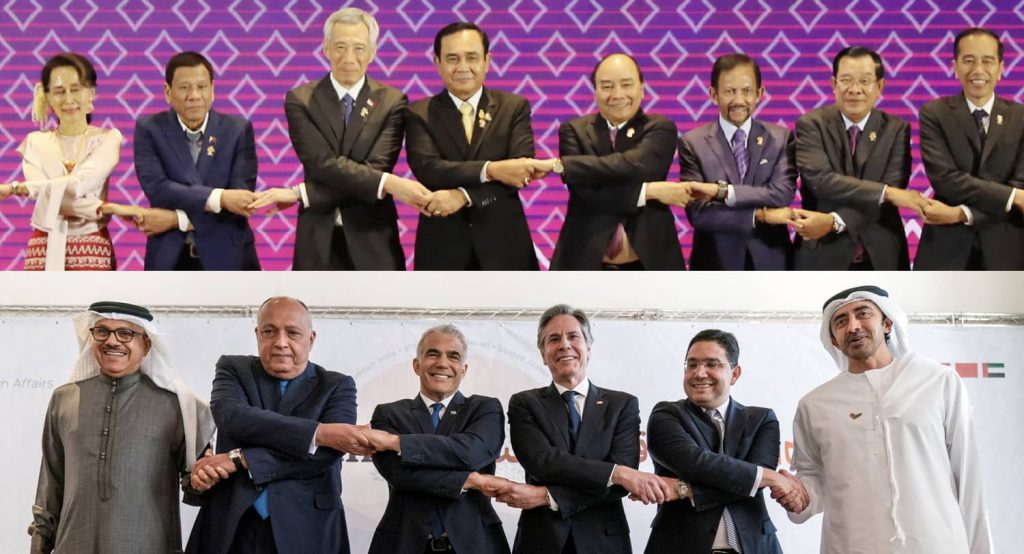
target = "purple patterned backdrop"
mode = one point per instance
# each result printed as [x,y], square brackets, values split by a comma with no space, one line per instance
[542,50]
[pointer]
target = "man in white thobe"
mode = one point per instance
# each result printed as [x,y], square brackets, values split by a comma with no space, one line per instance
[886,449]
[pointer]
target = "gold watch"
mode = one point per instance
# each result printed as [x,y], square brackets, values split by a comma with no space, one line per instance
[682,489]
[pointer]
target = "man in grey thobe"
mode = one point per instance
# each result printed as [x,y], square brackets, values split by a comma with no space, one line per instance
[115,441]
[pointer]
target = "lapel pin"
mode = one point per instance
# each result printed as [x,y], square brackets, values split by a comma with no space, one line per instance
[759,141]
[999,119]
[364,112]
[763,161]
[856,415]
[483,118]
[872,136]
[370,102]
[210,151]
[213,140]
[453,412]
[630,132]
[599,402]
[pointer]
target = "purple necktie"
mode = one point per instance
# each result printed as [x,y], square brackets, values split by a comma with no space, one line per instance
[619,238]
[739,151]
[346,107]
[854,132]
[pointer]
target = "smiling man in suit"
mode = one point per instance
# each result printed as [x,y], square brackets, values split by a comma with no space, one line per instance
[972,145]
[743,174]
[617,219]
[717,454]
[472,145]
[199,165]
[346,129]
[579,445]
[437,452]
[283,423]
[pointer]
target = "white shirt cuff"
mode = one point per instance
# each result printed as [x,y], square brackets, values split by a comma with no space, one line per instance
[757,480]
[970,214]
[881,197]
[213,201]
[380,185]
[551,502]
[184,223]
[840,225]
[730,196]
[1009,201]
[642,201]
[301,190]
[483,172]
[469,201]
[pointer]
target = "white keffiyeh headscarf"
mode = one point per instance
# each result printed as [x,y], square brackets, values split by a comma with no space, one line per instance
[897,339]
[195,413]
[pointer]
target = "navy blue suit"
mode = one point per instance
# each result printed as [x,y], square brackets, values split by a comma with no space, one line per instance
[275,434]
[426,480]
[684,444]
[589,511]
[227,159]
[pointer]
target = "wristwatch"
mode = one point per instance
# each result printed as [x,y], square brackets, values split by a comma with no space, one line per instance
[236,457]
[723,191]
[557,167]
[682,489]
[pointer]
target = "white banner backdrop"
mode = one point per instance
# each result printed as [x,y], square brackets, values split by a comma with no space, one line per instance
[780,361]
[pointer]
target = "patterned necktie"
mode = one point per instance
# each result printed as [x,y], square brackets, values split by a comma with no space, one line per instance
[346,107]
[619,238]
[262,503]
[466,109]
[574,415]
[730,527]
[979,121]
[195,143]
[853,132]
[739,151]
[613,133]
[435,414]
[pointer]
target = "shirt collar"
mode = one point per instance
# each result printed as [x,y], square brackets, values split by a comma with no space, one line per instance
[730,129]
[860,124]
[201,129]
[723,409]
[582,388]
[353,91]
[428,402]
[472,100]
[987,106]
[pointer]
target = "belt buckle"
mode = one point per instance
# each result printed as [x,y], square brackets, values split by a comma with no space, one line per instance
[192,250]
[439,545]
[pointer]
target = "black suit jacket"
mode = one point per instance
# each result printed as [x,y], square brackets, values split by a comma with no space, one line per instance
[684,444]
[832,181]
[275,434]
[604,186]
[343,166]
[427,478]
[725,235]
[962,172]
[588,509]
[493,228]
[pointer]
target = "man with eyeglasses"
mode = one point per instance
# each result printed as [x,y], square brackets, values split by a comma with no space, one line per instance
[854,163]
[116,440]
[717,455]
[972,146]
[743,177]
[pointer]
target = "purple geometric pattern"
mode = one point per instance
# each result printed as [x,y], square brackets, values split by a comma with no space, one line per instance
[543,50]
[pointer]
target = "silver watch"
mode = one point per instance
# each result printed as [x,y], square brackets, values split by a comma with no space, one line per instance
[557,167]
[682,489]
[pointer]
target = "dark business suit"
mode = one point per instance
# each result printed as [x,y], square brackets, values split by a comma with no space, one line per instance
[684,444]
[834,182]
[275,434]
[171,180]
[726,236]
[426,480]
[343,165]
[962,172]
[492,233]
[589,512]
[604,187]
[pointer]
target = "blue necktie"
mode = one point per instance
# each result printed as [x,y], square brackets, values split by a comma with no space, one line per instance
[436,526]
[739,151]
[262,503]
[435,414]
[574,415]
[346,107]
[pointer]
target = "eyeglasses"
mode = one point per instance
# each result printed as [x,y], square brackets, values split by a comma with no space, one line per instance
[122,334]
[864,82]
[710,365]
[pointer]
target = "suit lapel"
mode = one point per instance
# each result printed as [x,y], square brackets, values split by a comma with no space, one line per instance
[450,414]
[995,128]
[755,145]
[735,417]
[209,141]
[554,405]
[269,390]
[717,143]
[865,146]
[840,140]
[331,121]
[490,106]
[964,120]
[298,390]
[448,115]
[356,119]
[421,415]
[600,136]
[593,415]
[175,137]
[704,426]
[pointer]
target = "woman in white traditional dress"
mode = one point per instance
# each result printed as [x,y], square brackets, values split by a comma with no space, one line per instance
[66,170]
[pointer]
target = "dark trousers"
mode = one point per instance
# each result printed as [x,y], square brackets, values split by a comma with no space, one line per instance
[254,535]
[188,260]
[341,260]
